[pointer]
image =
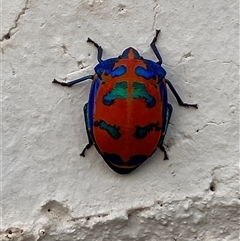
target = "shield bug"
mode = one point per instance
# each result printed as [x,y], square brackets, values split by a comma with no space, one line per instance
[128,113]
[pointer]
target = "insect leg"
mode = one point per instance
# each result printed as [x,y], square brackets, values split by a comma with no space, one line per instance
[165,126]
[69,84]
[86,148]
[99,48]
[90,142]
[162,148]
[179,100]
[154,48]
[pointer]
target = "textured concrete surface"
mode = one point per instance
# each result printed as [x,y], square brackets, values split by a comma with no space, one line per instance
[51,193]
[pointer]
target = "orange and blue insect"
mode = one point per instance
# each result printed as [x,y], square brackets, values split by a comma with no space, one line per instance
[127,113]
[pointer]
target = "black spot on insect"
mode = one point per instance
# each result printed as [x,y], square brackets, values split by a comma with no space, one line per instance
[142,131]
[112,130]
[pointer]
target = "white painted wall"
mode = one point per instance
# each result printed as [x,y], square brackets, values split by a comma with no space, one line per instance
[51,193]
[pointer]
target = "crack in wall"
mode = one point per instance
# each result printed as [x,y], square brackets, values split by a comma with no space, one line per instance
[80,63]
[22,12]
[231,62]
[155,14]
[13,70]
[65,51]
[212,123]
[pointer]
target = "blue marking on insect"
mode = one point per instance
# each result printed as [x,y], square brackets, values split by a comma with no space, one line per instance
[118,92]
[140,92]
[155,68]
[120,70]
[145,73]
